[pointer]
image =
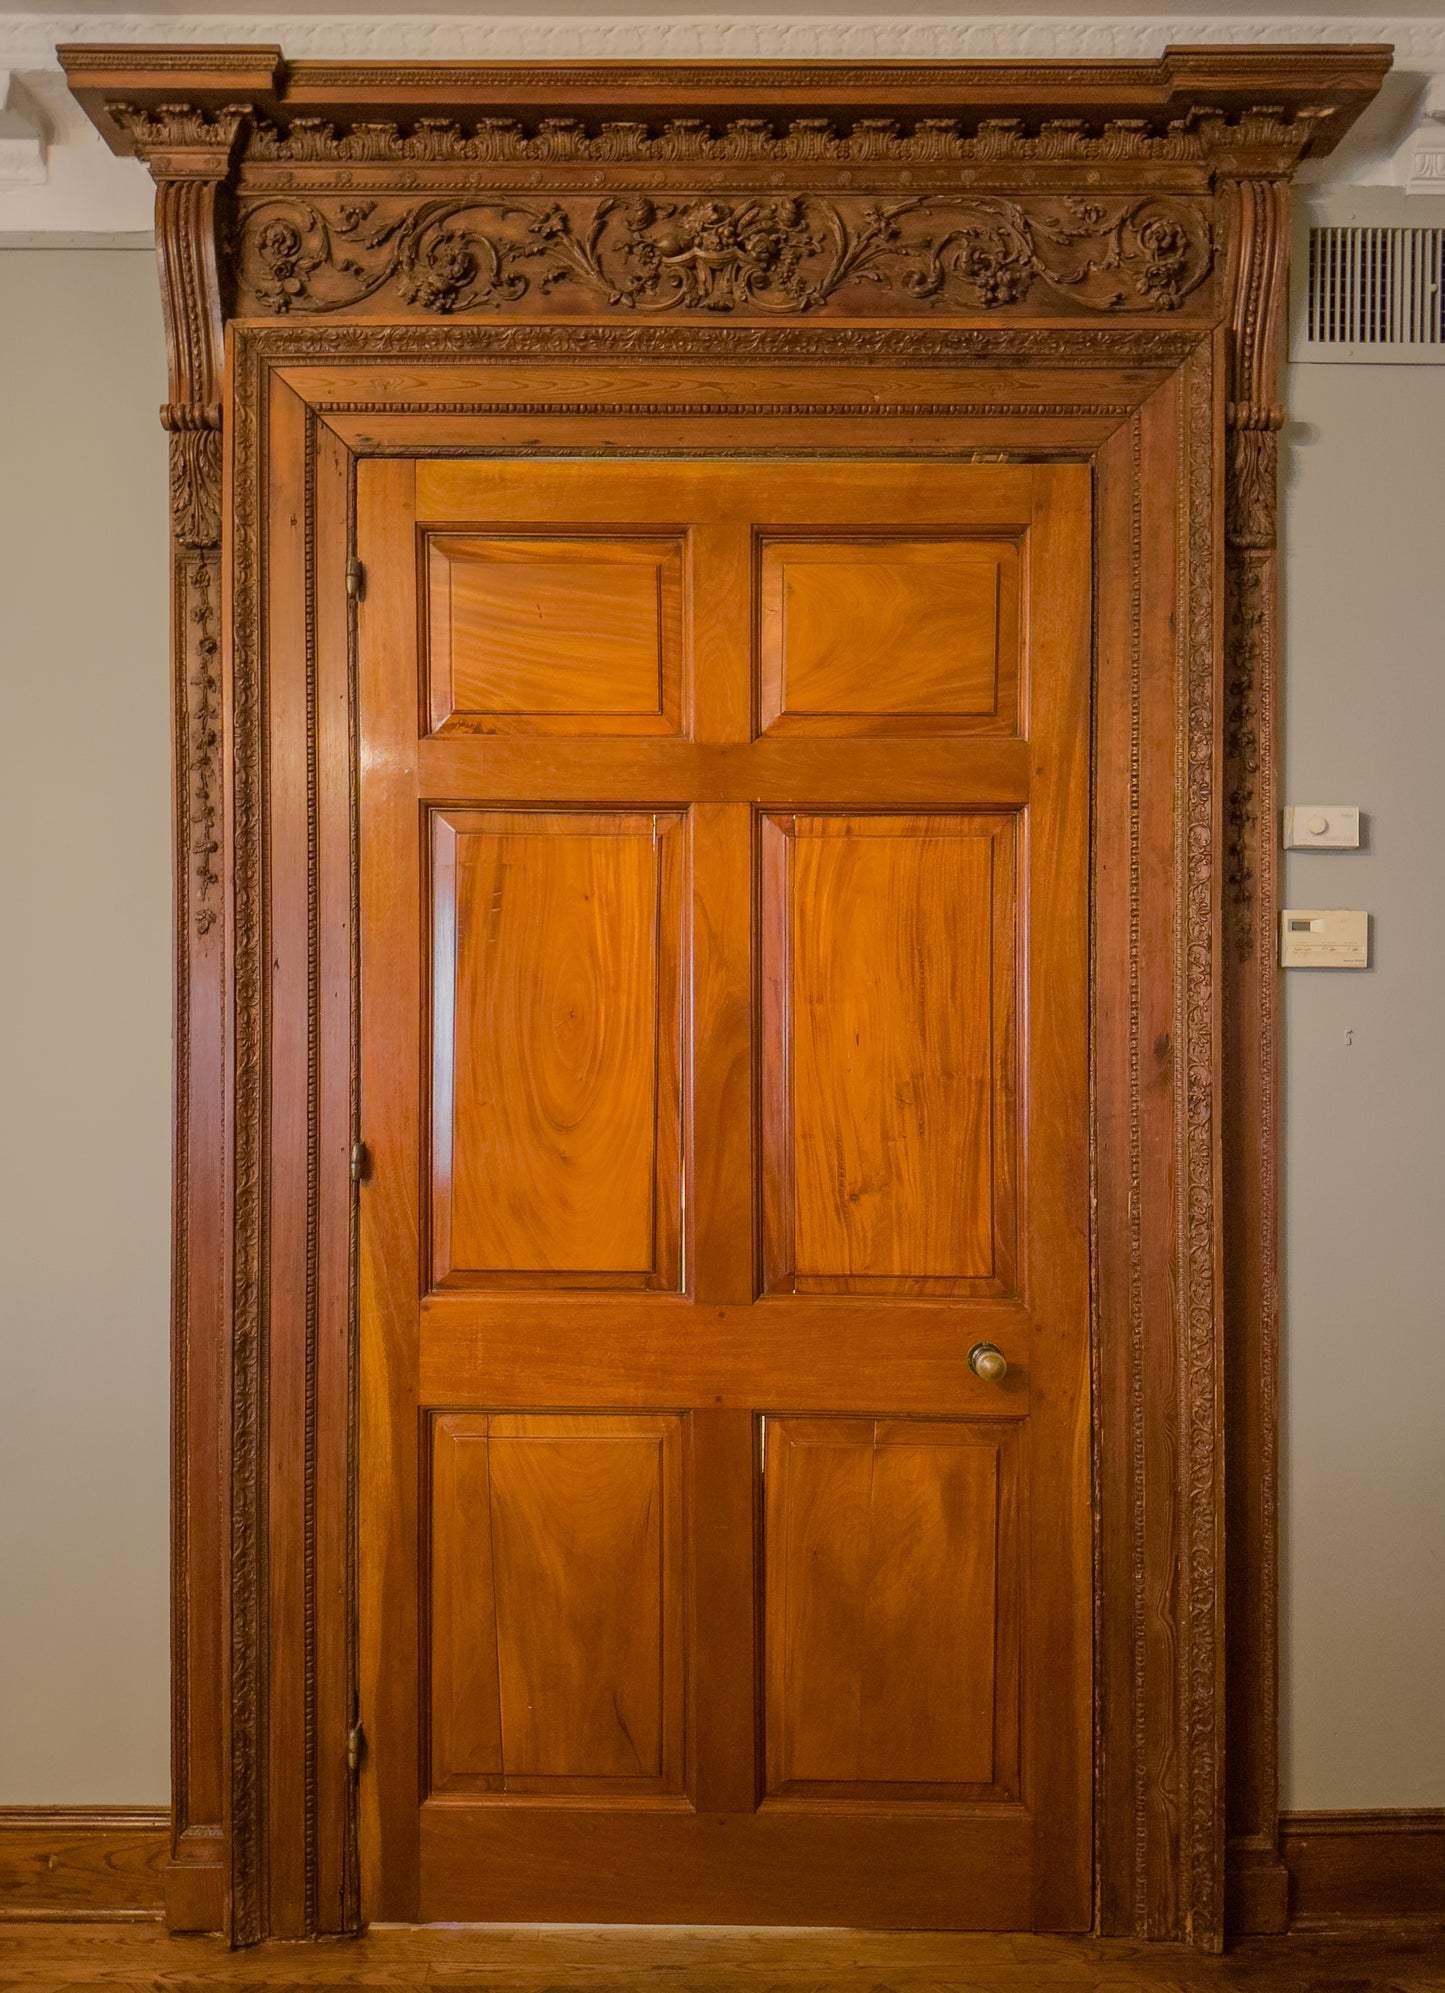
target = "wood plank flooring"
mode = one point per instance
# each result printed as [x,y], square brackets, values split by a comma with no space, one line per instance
[45,1958]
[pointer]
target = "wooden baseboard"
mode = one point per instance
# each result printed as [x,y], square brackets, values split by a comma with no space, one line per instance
[71,1863]
[1364,1868]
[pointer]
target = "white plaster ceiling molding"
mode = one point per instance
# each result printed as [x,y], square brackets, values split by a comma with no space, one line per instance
[1426,144]
[90,194]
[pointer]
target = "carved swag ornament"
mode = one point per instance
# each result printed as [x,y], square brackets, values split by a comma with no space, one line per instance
[791,254]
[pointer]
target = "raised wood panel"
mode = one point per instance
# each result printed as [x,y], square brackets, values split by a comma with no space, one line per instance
[556,1151]
[885,634]
[888,953]
[557,1604]
[890,1609]
[554,635]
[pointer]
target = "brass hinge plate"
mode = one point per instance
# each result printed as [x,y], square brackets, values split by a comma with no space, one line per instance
[355,579]
[355,1748]
[360,1162]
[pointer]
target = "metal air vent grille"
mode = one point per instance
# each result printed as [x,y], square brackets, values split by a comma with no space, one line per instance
[1373,295]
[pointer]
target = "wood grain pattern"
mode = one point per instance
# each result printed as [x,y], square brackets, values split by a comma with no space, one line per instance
[555,1023]
[887,635]
[554,636]
[889,966]
[137,1956]
[557,1605]
[82,1862]
[886,1574]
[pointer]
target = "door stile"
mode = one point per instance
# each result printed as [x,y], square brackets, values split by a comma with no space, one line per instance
[390,1426]
[1056,868]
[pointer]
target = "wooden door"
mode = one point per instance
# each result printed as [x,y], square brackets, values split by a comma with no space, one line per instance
[724,867]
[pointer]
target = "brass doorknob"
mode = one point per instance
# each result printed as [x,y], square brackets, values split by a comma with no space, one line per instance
[988,1362]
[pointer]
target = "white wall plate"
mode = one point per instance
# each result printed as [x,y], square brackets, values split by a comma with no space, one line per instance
[1325,826]
[1324,938]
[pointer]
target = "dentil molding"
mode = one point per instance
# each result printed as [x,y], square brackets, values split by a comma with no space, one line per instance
[66,184]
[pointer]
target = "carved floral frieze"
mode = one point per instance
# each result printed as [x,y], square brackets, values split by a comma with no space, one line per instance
[792,254]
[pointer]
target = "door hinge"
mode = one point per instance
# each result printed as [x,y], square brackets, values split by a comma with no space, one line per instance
[355,579]
[355,1748]
[360,1162]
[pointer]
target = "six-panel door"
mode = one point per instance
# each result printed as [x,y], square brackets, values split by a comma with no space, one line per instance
[724,834]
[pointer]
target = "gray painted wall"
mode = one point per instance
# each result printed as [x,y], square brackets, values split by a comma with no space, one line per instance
[1364,1381]
[85,1099]
[84,1030]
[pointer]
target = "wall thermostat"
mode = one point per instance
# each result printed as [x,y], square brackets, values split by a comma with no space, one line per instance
[1324,938]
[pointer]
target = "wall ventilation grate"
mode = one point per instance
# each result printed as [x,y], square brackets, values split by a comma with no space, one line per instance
[1372,295]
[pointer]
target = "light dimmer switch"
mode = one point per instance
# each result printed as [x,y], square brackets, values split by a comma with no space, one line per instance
[1324,938]
[1326,826]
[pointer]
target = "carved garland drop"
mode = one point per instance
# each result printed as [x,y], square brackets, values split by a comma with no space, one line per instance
[203,746]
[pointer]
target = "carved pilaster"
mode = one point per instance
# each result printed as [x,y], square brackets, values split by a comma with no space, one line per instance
[190,152]
[1259,246]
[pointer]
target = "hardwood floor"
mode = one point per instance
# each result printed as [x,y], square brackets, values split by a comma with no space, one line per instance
[45,1958]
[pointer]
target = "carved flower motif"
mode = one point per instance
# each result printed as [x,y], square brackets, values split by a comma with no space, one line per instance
[1166,250]
[280,248]
[1000,274]
[448,270]
[709,228]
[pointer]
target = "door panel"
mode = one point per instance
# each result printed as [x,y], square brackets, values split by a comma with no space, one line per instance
[723,1086]
[554,635]
[557,1605]
[555,1027]
[888,635]
[891,1551]
[889,959]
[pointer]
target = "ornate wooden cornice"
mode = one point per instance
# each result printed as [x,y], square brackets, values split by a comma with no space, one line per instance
[642,99]
[425,190]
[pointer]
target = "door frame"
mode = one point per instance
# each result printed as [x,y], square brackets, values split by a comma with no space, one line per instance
[291,354]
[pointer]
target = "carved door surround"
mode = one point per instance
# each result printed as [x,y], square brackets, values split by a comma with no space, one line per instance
[1076,259]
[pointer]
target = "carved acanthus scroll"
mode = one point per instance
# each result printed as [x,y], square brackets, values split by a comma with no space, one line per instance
[787,254]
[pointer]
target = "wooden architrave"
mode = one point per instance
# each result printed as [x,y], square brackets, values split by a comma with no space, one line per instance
[1084,257]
